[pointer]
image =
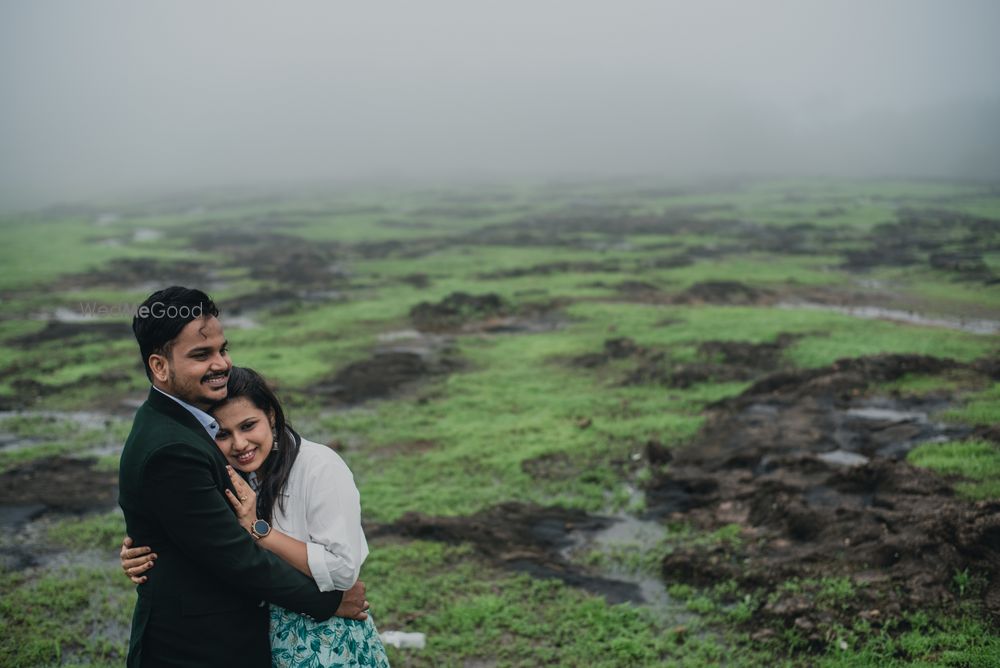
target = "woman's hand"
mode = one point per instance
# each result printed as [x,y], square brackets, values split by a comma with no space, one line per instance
[136,560]
[244,501]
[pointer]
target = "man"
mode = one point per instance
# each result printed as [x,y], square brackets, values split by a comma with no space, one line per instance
[205,606]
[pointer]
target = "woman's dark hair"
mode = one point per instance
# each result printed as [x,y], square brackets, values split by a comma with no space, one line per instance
[159,319]
[272,476]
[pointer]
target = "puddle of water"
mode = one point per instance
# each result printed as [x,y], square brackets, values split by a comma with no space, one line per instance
[843,458]
[887,414]
[145,234]
[969,325]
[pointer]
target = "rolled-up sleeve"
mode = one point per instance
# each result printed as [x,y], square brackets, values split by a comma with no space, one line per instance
[336,548]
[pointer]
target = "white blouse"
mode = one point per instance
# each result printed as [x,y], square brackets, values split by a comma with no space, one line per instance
[323,510]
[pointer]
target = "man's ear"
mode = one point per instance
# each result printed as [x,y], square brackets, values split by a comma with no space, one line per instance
[159,366]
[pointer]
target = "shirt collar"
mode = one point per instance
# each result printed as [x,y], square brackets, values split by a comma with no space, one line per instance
[207,421]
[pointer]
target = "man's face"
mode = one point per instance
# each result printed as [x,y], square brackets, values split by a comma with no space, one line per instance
[197,367]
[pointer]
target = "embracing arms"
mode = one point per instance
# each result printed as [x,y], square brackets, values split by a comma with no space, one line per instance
[181,490]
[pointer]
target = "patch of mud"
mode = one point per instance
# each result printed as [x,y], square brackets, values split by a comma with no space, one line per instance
[813,471]
[278,259]
[457,309]
[463,313]
[385,373]
[59,483]
[520,537]
[722,361]
[88,327]
[944,240]
[723,292]
[140,274]
[549,268]
[403,360]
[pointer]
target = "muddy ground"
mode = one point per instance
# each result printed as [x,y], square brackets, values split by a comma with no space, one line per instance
[810,465]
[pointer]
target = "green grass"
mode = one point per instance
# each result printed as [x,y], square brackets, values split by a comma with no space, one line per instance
[517,400]
[980,408]
[979,461]
[104,531]
[472,612]
[68,615]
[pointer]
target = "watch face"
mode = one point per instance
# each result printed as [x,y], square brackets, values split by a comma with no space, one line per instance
[261,527]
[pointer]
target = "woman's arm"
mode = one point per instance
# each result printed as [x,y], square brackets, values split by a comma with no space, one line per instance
[337,547]
[291,550]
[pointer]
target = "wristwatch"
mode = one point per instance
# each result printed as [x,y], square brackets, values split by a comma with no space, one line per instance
[259,529]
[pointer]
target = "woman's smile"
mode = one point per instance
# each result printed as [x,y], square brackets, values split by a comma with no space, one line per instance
[245,434]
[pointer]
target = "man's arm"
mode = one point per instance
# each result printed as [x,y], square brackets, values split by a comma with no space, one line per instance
[181,489]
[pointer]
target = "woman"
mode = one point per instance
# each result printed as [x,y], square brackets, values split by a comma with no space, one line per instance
[307,495]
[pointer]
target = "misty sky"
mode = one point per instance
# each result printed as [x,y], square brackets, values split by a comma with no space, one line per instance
[107,97]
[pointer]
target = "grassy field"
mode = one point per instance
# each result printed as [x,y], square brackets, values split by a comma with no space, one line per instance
[563,346]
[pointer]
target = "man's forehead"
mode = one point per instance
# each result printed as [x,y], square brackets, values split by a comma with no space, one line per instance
[201,332]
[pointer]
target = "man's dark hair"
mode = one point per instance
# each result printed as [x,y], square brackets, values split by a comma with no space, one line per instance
[163,315]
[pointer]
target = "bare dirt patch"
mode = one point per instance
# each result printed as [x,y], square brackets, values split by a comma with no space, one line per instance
[456,310]
[721,361]
[383,374]
[811,468]
[520,537]
[59,483]
[61,331]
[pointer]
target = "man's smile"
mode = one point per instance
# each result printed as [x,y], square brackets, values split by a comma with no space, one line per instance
[216,380]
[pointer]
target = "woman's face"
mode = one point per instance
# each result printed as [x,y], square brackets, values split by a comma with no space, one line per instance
[245,437]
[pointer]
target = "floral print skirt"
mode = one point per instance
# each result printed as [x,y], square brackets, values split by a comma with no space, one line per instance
[297,642]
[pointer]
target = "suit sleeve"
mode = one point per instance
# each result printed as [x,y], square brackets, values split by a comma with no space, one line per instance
[180,487]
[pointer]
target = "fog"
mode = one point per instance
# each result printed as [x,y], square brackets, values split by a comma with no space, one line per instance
[105,98]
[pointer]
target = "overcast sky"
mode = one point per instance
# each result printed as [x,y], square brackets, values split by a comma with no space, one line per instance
[104,97]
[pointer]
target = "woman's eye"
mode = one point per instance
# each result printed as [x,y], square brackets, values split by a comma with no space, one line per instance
[249,426]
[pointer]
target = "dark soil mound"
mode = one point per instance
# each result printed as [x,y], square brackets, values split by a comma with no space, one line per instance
[128,273]
[59,331]
[521,537]
[59,483]
[455,310]
[812,471]
[722,292]
[724,361]
[383,374]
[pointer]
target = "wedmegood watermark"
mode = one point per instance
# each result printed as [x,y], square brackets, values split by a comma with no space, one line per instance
[127,310]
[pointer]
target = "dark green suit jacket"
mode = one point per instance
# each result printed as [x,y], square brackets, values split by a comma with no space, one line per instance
[202,604]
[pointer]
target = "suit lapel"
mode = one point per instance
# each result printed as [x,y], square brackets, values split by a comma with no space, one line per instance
[169,408]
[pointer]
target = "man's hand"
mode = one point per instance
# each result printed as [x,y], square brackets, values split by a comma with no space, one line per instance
[354,605]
